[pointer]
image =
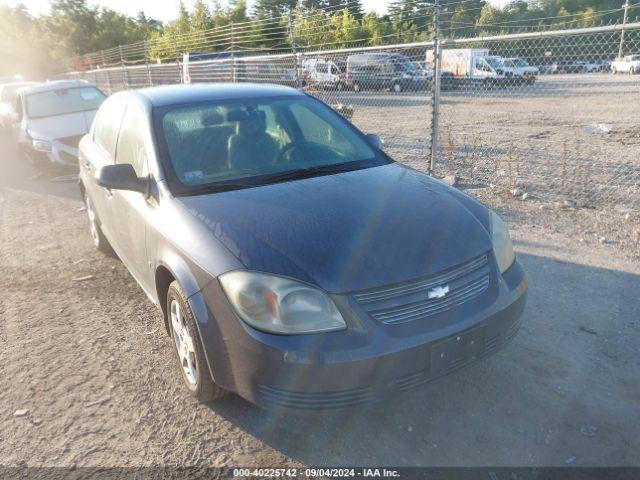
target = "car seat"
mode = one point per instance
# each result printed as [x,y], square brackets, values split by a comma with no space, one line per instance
[251,148]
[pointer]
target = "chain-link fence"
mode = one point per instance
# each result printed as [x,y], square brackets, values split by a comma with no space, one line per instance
[549,114]
[545,114]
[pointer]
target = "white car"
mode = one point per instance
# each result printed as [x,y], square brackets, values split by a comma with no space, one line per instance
[49,119]
[521,68]
[7,94]
[629,64]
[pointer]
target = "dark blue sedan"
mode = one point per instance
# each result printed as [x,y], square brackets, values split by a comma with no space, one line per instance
[295,263]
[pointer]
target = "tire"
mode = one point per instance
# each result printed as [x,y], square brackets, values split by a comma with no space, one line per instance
[613,70]
[99,240]
[397,87]
[188,347]
[356,87]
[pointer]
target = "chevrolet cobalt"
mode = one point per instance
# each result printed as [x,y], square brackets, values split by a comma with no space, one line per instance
[294,262]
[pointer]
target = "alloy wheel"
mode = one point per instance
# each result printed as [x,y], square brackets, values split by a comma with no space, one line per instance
[184,343]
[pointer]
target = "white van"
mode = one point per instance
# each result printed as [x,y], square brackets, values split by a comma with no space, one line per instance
[324,73]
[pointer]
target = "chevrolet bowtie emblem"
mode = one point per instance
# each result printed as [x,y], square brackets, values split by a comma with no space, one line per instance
[438,292]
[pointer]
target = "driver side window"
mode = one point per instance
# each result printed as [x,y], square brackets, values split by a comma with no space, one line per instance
[315,129]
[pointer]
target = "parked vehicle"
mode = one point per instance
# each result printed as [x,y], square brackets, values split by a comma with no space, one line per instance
[521,68]
[322,73]
[261,71]
[592,66]
[50,118]
[472,66]
[252,216]
[628,64]
[8,92]
[384,70]
[568,66]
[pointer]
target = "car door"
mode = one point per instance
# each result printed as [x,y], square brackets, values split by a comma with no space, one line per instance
[98,153]
[132,208]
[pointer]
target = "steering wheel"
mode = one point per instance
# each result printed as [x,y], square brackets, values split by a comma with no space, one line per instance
[280,159]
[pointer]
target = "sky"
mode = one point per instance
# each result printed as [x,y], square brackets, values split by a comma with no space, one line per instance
[167,9]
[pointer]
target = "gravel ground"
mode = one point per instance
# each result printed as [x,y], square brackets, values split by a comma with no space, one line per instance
[89,361]
[570,142]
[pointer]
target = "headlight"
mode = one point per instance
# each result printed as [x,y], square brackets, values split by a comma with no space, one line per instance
[280,305]
[41,145]
[501,243]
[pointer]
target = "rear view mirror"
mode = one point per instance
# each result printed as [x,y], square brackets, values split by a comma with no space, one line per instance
[375,141]
[120,176]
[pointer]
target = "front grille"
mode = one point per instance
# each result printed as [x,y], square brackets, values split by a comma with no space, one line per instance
[276,397]
[409,301]
[72,142]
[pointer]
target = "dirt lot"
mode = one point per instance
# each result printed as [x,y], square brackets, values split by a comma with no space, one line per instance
[569,142]
[91,364]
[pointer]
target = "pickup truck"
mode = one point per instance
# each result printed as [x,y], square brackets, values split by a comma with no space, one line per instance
[629,64]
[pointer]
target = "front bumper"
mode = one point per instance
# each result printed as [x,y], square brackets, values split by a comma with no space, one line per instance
[61,155]
[366,363]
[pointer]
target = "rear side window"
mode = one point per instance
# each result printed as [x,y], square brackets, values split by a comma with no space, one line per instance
[131,141]
[105,131]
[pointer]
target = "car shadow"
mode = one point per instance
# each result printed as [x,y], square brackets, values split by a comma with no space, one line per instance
[525,405]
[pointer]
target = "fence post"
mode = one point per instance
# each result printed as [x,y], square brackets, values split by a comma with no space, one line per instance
[125,80]
[624,23]
[296,61]
[146,61]
[435,85]
[234,70]
[107,72]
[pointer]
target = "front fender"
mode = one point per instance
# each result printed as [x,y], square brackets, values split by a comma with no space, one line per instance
[193,280]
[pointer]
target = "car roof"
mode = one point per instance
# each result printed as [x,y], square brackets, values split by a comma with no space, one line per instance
[56,85]
[181,94]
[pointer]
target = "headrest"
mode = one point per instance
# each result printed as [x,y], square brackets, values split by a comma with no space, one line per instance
[243,115]
[212,117]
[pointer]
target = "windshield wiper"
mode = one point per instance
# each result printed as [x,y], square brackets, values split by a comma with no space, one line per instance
[309,172]
[215,188]
[267,179]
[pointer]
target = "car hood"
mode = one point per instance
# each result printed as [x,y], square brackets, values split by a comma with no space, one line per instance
[60,126]
[347,231]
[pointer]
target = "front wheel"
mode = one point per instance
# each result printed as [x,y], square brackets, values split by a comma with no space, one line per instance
[99,240]
[186,340]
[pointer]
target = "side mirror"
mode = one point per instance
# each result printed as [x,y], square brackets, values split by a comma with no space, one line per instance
[375,141]
[120,176]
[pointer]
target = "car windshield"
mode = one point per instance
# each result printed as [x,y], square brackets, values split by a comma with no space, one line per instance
[8,91]
[253,142]
[63,101]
